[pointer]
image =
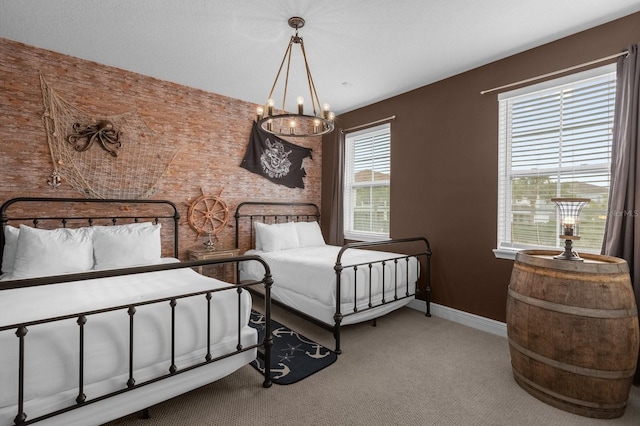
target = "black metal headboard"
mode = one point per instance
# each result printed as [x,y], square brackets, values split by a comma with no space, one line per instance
[75,212]
[272,212]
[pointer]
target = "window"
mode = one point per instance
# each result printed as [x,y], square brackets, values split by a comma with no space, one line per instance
[554,141]
[367,184]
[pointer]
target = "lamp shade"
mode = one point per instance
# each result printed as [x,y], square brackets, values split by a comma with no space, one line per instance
[569,209]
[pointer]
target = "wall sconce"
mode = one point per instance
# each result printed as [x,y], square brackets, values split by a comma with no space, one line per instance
[569,209]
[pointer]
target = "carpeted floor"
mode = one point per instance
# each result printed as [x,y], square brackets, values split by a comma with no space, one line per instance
[408,370]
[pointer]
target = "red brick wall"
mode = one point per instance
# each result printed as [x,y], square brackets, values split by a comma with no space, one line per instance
[209,130]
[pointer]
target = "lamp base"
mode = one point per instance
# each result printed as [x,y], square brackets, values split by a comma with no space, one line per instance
[568,253]
[569,256]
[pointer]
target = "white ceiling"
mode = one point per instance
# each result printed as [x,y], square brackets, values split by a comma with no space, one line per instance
[359,51]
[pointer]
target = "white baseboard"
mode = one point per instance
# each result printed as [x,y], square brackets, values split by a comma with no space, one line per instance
[471,320]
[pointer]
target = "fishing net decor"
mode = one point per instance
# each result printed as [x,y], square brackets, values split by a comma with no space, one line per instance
[127,169]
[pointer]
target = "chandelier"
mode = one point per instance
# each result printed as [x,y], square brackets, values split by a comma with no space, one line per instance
[283,123]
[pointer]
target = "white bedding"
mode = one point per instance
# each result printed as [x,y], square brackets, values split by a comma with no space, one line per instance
[304,279]
[51,357]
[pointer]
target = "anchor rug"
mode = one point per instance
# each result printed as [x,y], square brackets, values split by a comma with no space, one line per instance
[293,356]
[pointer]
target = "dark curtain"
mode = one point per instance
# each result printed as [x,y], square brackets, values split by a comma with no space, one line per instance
[336,224]
[622,230]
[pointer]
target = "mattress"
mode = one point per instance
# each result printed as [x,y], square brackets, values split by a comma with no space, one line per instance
[305,279]
[51,381]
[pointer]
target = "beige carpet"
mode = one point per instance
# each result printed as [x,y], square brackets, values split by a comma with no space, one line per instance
[408,370]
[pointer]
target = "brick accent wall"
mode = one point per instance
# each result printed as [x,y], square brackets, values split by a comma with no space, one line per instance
[209,130]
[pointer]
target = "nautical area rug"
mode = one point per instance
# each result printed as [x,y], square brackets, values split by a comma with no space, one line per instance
[293,356]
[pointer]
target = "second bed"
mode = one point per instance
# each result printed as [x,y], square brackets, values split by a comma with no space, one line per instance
[330,285]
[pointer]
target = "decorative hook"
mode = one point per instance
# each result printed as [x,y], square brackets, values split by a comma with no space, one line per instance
[54,179]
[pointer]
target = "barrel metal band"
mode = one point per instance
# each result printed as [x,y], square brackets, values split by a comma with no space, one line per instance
[565,398]
[570,275]
[583,371]
[574,310]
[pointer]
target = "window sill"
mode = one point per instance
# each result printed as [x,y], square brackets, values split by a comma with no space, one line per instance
[505,253]
[353,236]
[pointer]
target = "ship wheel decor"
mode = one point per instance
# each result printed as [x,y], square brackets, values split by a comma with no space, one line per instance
[208,215]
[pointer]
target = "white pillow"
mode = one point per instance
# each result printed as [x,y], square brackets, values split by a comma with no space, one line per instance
[11,242]
[10,247]
[125,226]
[123,246]
[257,231]
[309,234]
[43,252]
[276,237]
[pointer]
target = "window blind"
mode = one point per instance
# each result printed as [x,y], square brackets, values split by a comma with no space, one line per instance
[367,183]
[555,141]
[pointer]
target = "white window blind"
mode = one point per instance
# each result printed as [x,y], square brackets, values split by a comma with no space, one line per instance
[367,183]
[555,141]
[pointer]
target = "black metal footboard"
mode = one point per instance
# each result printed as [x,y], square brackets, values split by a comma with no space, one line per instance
[401,290]
[82,318]
[248,213]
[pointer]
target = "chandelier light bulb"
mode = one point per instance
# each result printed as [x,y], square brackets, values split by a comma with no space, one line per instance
[270,104]
[260,113]
[300,100]
[325,110]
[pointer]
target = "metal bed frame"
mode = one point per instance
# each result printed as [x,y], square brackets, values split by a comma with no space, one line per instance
[273,214]
[21,330]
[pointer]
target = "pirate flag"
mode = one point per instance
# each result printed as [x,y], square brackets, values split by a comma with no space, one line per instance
[274,158]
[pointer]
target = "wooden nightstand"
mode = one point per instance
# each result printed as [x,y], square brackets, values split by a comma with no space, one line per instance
[204,254]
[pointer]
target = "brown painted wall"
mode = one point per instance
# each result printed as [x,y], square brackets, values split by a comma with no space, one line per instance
[210,131]
[444,164]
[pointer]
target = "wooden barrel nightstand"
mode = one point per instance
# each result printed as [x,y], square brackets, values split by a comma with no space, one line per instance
[573,331]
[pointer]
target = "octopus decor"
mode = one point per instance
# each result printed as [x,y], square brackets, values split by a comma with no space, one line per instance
[84,135]
[139,158]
